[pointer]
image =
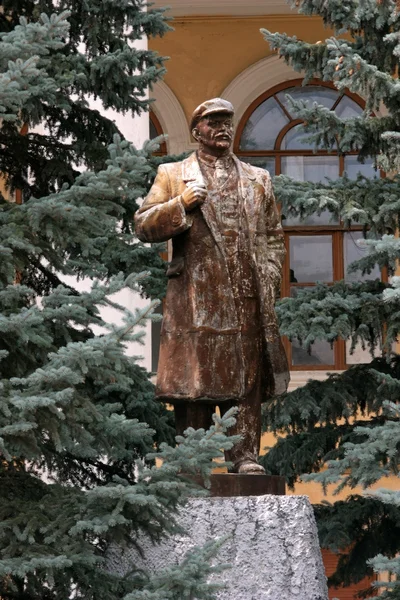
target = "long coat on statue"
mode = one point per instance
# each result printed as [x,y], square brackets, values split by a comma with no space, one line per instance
[201,350]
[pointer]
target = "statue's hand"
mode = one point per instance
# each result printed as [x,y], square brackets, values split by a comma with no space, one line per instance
[194,195]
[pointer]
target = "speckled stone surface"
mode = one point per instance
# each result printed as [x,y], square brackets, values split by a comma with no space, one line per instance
[273,548]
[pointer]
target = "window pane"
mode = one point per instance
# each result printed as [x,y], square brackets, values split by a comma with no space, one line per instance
[153,130]
[264,162]
[352,252]
[325,218]
[312,93]
[347,108]
[263,126]
[320,353]
[359,355]
[293,140]
[353,167]
[310,168]
[311,258]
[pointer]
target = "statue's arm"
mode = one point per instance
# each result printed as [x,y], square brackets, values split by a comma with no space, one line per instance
[275,248]
[161,217]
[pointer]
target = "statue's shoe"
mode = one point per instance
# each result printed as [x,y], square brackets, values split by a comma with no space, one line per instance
[250,468]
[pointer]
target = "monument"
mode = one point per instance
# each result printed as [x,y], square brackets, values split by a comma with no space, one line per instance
[220,343]
[220,346]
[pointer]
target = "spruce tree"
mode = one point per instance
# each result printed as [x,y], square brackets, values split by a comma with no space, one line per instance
[79,428]
[346,430]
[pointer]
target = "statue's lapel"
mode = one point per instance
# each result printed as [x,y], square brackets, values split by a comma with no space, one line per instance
[191,172]
[191,169]
[250,191]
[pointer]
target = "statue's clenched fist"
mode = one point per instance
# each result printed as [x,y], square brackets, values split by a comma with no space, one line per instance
[194,195]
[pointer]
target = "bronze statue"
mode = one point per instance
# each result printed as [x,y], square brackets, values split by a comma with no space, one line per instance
[220,343]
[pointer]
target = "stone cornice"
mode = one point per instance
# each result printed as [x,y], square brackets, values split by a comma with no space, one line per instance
[180,8]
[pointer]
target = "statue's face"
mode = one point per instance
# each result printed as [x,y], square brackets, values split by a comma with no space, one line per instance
[215,131]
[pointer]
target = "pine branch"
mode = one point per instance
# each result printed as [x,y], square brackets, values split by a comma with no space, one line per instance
[308,417]
[373,203]
[363,447]
[353,311]
[358,528]
[301,56]
[20,50]
[360,390]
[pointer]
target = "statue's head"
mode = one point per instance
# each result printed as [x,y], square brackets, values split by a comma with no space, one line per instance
[212,124]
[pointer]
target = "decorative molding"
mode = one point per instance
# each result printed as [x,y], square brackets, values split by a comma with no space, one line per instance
[258,19]
[180,8]
[172,118]
[256,79]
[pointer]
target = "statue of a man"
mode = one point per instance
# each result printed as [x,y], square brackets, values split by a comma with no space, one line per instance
[220,343]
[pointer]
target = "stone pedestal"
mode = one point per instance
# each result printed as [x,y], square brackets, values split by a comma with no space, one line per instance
[273,547]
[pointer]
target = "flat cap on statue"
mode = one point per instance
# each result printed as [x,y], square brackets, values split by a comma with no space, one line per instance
[215,105]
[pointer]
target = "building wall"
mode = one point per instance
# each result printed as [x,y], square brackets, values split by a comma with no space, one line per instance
[207,53]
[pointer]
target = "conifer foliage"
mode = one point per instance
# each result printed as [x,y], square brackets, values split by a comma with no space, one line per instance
[350,423]
[79,428]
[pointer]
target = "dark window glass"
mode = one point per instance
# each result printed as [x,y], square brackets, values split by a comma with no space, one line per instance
[315,93]
[353,251]
[310,168]
[347,108]
[153,130]
[295,140]
[263,126]
[353,167]
[325,218]
[272,138]
[320,353]
[311,258]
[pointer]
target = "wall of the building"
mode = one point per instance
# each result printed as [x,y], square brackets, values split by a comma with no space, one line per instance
[207,53]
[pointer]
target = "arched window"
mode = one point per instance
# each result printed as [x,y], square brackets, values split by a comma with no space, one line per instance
[270,136]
